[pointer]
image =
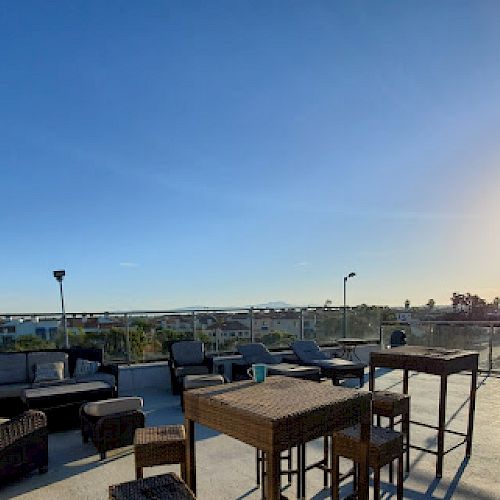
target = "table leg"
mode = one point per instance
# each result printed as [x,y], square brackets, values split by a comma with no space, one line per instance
[371,385]
[190,455]
[472,406]
[273,475]
[441,426]
[366,418]
[405,381]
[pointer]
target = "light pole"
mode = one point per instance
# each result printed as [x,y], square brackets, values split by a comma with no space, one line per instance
[59,275]
[350,275]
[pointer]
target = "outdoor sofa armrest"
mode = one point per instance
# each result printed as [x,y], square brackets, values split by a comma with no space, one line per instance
[21,426]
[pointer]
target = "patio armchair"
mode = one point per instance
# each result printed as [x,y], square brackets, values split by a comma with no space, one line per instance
[258,353]
[23,444]
[187,357]
[337,369]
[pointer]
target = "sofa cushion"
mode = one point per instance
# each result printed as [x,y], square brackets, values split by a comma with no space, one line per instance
[196,381]
[112,406]
[84,367]
[36,358]
[188,352]
[47,372]
[50,383]
[290,370]
[13,390]
[182,371]
[98,377]
[13,367]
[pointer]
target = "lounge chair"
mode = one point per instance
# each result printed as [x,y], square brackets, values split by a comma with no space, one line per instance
[258,353]
[337,369]
[187,357]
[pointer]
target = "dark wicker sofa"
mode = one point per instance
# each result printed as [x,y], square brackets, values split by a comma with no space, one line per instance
[23,445]
[16,375]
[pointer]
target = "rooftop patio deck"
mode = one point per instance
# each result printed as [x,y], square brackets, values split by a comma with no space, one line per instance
[226,467]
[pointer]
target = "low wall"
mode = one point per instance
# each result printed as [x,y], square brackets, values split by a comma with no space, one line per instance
[142,375]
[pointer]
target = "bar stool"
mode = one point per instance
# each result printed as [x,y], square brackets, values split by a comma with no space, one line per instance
[391,405]
[385,446]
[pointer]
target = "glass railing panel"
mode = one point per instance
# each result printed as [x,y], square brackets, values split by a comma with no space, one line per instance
[277,329]
[495,349]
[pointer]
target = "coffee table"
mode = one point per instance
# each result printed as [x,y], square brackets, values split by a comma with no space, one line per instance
[65,399]
[274,416]
[435,361]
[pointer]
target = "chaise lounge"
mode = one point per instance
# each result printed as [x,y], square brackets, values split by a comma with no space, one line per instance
[258,353]
[337,369]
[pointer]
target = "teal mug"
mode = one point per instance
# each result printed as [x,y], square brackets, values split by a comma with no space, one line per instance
[257,373]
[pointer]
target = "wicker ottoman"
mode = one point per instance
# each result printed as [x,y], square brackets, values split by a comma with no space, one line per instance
[111,423]
[160,446]
[165,487]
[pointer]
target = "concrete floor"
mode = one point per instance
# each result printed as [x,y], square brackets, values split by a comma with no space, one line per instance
[226,467]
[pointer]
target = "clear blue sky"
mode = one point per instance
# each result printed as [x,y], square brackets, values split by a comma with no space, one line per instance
[226,153]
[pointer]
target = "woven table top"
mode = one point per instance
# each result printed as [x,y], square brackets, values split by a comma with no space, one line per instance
[435,360]
[279,410]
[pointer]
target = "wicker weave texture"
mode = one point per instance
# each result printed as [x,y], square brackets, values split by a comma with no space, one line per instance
[278,413]
[385,445]
[434,360]
[160,445]
[164,487]
[390,404]
[23,444]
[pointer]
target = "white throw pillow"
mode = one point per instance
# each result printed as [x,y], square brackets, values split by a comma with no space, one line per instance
[45,372]
[84,367]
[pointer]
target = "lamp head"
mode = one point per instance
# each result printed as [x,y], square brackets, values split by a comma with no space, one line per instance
[351,275]
[59,275]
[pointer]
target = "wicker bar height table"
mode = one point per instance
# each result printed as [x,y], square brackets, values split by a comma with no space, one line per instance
[435,361]
[274,416]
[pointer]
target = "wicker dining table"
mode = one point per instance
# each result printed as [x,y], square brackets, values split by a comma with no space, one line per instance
[435,361]
[274,416]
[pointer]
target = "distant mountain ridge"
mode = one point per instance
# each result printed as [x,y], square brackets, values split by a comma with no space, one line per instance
[278,304]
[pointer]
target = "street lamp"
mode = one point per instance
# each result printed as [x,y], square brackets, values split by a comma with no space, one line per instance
[350,275]
[59,275]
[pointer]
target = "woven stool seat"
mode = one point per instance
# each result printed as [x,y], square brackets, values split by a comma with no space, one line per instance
[385,446]
[160,446]
[390,404]
[164,487]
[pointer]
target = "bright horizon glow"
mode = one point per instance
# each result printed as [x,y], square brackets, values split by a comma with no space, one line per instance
[172,154]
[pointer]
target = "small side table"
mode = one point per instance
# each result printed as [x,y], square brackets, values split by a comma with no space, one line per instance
[167,486]
[161,445]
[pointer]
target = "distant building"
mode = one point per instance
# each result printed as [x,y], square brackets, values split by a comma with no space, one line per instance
[12,329]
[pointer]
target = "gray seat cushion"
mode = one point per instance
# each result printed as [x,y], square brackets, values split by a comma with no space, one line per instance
[35,358]
[308,351]
[188,352]
[196,381]
[182,371]
[291,370]
[337,363]
[50,383]
[109,378]
[256,353]
[112,406]
[13,368]
[13,390]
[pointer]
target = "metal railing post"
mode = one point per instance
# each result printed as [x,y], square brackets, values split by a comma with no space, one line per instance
[302,324]
[127,338]
[194,325]
[490,350]
[252,336]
